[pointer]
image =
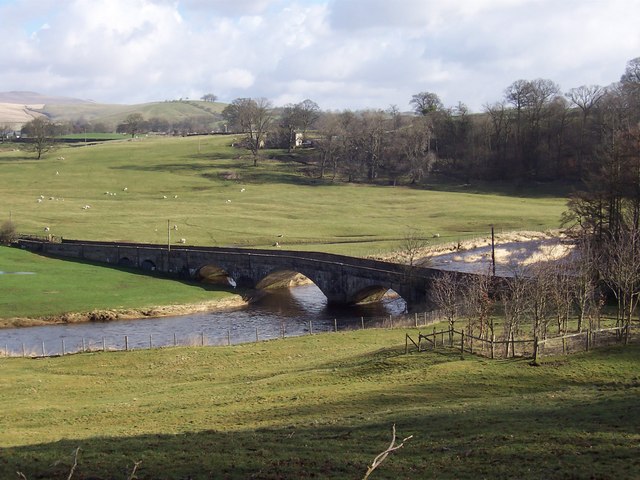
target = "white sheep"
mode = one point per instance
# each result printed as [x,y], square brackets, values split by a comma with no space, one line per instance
[242,190]
[228,201]
[175,196]
[86,207]
[125,189]
[46,229]
[436,235]
[39,200]
[183,240]
[175,227]
[164,196]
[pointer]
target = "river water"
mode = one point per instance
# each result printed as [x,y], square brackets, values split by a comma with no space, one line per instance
[295,311]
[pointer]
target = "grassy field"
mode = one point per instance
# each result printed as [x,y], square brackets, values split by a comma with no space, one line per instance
[53,287]
[203,179]
[320,407]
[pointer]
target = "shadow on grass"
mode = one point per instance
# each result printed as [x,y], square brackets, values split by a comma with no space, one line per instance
[242,170]
[571,439]
[521,189]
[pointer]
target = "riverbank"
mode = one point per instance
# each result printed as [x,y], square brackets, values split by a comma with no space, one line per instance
[114,314]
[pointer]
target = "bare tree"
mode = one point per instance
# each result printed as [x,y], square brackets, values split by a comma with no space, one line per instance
[328,144]
[253,117]
[514,301]
[40,132]
[446,294]
[479,303]
[413,243]
[620,269]
[209,97]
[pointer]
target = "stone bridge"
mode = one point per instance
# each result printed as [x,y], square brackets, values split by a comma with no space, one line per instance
[342,279]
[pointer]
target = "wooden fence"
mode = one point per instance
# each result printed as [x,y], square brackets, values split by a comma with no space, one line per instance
[533,348]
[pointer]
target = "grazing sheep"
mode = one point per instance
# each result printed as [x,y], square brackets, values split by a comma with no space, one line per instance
[86,207]
[228,201]
[436,235]
[57,173]
[242,190]
[125,189]
[42,197]
[175,227]
[276,244]
[183,240]
[175,196]
[164,196]
[46,229]
[51,198]
[39,200]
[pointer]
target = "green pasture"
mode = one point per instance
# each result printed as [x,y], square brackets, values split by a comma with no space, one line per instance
[320,406]
[54,287]
[203,179]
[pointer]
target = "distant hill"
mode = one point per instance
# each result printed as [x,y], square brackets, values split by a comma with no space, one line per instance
[33,98]
[17,108]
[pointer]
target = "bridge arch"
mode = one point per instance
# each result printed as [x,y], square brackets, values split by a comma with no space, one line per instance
[215,275]
[148,265]
[374,293]
[126,262]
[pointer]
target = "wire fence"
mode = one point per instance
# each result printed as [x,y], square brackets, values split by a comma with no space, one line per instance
[231,335]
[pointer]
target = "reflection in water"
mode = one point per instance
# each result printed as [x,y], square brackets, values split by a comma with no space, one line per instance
[284,310]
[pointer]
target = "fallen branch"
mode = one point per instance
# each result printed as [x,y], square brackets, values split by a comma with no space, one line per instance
[382,456]
[75,463]
[133,472]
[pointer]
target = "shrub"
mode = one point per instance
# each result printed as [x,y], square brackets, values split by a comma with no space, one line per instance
[8,233]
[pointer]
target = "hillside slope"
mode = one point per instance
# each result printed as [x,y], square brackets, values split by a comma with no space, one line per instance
[17,108]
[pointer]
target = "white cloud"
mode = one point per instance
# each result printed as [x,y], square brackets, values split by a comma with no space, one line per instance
[339,53]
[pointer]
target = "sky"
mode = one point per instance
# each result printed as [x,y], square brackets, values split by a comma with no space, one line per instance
[342,54]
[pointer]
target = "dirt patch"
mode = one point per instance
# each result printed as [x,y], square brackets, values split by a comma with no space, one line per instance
[125,314]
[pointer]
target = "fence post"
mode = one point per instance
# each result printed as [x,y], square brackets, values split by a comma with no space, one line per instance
[256,334]
[335,324]
[202,339]
[228,336]
[587,340]
[362,321]
[43,351]
[63,347]
[406,343]
[24,354]
[535,351]
[416,319]
[126,343]
[150,341]
[493,339]
[310,328]
[513,345]
[284,331]
[462,344]
[104,345]
[391,321]
[435,339]
[175,340]
[84,348]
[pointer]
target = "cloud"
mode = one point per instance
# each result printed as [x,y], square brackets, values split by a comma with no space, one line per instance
[340,53]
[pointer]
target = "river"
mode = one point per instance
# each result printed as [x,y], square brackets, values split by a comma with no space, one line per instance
[293,311]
